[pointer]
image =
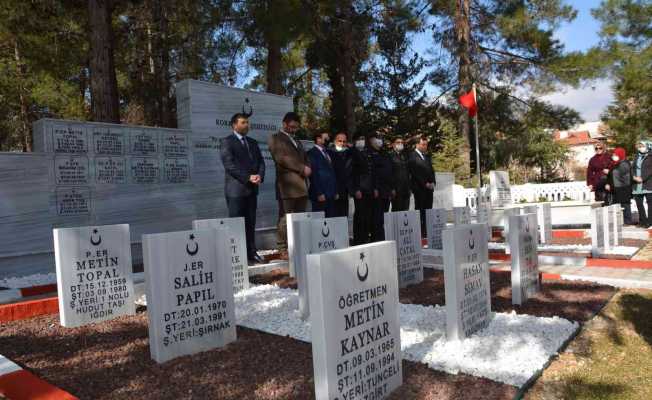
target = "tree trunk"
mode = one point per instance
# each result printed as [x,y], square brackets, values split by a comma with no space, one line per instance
[273,65]
[26,134]
[463,38]
[104,86]
[348,84]
[161,64]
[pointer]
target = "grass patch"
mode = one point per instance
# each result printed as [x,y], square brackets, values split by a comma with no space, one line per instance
[610,359]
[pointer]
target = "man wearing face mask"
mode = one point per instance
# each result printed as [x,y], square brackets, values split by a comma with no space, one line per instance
[642,177]
[365,191]
[619,183]
[401,201]
[596,172]
[385,184]
[323,186]
[343,165]
[423,179]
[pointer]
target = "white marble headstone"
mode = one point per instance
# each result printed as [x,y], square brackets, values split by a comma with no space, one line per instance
[597,230]
[461,215]
[404,227]
[315,236]
[525,263]
[94,273]
[435,223]
[609,227]
[508,212]
[443,194]
[618,224]
[237,245]
[466,280]
[290,220]
[500,190]
[483,216]
[356,341]
[190,304]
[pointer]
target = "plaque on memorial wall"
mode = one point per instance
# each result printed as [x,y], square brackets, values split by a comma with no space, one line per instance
[237,247]
[356,341]
[313,236]
[501,195]
[71,170]
[72,201]
[404,227]
[290,220]
[461,215]
[466,280]
[176,170]
[145,170]
[597,230]
[175,145]
[108,140]
[435,223]
[523,237]
[143,142]
[190,305]
[110,170]
[69,139]
[94,273]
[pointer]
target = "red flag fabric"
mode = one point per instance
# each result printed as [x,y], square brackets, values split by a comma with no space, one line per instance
[468,101]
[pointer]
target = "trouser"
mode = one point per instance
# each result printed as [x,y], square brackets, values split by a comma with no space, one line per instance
[423,202]
[381,206]
[363,219]
[643,217]
[245,207]
[401,202]
[328,207]
[342,206]
[288,206]
[627,212]
[600,195]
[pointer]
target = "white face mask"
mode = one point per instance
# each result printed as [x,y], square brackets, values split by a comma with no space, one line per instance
[642,149]
[398,147]
[378,142]
[340,148]
[359,144]
[615,158]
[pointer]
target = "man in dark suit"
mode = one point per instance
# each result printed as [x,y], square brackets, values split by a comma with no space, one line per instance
[323,184]
[422,178]
[365,191]
[292,171]
[401,201]
[244,170]
[342,157]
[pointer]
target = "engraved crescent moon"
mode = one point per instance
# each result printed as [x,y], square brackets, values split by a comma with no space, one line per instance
[363,278]
[527,226]
[471,241]
[328,231]
[405,221]
[193,252]
[96,243]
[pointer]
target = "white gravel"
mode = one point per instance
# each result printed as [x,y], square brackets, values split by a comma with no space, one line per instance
[585,248]
[511,350]
[28,281]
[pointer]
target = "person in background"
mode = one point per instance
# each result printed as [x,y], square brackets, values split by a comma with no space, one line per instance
[384,182]
[422,177]
[365,192]
[323,185]
[596,172]
[642,177]
[343,164]
[401,201]
[292,172]
[244,172]
[619,183]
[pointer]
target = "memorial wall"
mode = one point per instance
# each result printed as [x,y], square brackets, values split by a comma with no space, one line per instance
[154,179]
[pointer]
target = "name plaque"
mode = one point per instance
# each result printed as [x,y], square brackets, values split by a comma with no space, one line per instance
[145,170]
[176,170]
[108,142]
[143,143]
[73,201]
[71,170]
[69,139]
[110,170]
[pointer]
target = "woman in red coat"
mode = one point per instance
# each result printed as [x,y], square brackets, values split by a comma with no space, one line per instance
[596,173]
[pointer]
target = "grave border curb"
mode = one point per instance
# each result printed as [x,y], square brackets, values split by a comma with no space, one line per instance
[16,383]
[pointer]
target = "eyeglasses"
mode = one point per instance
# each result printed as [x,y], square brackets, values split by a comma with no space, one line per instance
[599,148]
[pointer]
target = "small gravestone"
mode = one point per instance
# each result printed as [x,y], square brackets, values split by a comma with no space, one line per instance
[525,264]
[500,190]
[619,223]
[189,292]
[356,341]
[609,227]
[461,215]
[292,235]
[508,212]
[435,223]
[483,216]
[315,236]
[442,196]
[544,220]
[466,280]
[94,273]
[597,231]
[237,246]
[404,227]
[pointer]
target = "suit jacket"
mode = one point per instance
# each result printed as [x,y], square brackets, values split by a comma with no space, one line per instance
[384,174]
[343,165]
[364,174]
[401,173]
[290,161]
[322,179]
[421,172]
[239,165]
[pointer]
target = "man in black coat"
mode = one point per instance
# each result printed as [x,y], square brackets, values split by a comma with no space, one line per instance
[342,157]
[364,190]
[244,172]
[422,178]
[401,201]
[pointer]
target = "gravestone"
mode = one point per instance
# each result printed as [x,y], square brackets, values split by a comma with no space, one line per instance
[435,223]
[523,238]
[314,236]
[443,194]
[190,305]
[94,274]
[356,342]
[483,216]
[237,246]
[597,231]
[618,222]
[544,220]
[404,227]
[461,215]
[466,280]
[609,227]
[291,228]
[508,212]
[501,195]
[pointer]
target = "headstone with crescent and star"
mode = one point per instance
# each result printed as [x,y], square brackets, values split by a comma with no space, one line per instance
[500,189]
[435,223]
[189,286]
[354,318]
[291,220]
[314,236]
[544,220]
[461,215]
[466,280]
[597,231]
[237,247]
[404,227]
[523,236]
[94,273]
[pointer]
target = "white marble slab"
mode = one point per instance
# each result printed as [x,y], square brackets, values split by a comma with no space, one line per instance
[501,195]
[435,223]
[523,238]
[404,228]
[461,215]
[291,219]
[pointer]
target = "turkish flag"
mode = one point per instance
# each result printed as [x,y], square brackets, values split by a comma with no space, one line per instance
[468,101]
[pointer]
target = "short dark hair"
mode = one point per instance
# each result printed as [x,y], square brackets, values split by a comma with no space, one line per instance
[316,135]
[423,138]
[238,116]
[291,116]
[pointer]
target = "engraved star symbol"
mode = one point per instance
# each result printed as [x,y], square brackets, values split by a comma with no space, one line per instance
[361,256]
[94,231]
[192,236]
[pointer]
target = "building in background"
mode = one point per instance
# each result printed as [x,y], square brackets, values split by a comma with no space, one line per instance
[580,141]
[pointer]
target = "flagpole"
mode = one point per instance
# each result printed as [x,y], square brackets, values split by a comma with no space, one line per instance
[477,147]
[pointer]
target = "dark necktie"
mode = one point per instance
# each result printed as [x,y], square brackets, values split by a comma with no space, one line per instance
[244,143]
